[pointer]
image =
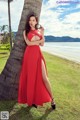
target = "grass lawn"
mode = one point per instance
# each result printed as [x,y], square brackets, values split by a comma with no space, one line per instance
[64,77]
[3,58]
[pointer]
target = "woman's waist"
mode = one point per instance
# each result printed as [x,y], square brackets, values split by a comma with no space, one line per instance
[37,47]
[32,46]
[32,49]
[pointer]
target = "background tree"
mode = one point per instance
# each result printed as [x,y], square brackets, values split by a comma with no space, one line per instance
[9,16]
[4,31]
[9,78]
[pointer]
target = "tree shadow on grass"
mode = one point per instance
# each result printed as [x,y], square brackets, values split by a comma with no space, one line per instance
[4,56]
[28,113]
[6,105]
[45,115]
[23,112]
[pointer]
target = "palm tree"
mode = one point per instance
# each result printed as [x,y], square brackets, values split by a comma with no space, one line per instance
[4,28]
[9,16]
[9,78]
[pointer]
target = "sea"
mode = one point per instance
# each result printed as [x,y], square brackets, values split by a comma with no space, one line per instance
[67,50]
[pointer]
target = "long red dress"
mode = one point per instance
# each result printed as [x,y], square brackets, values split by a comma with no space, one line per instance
[32,89]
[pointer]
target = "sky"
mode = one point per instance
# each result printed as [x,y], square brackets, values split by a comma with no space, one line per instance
[58,17]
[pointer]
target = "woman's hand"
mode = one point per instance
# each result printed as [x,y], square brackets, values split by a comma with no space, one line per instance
[41,42]
[43,38]
[42,31]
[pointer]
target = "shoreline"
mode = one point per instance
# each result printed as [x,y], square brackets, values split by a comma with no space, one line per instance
[66,51]
[62,57]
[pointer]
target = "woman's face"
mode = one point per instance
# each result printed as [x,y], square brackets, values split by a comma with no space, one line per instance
[32,22]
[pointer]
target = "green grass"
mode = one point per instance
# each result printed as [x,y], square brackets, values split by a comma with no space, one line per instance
[5,46]
[4,54]
[64,77]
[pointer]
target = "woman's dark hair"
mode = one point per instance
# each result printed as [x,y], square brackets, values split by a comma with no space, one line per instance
[27,26]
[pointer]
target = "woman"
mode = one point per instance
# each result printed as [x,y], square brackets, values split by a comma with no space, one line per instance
[34,86]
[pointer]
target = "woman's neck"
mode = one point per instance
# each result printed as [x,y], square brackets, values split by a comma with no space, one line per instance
[33,28]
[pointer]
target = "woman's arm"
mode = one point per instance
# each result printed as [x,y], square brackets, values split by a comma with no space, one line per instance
[42,42]
[30,43]
[43,38]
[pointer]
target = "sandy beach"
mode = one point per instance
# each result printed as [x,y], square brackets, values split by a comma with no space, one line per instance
[67,50]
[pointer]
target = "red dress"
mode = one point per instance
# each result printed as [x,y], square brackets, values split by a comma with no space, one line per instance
[32,89]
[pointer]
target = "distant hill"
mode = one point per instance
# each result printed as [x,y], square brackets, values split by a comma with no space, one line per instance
[61,39]
[51,38]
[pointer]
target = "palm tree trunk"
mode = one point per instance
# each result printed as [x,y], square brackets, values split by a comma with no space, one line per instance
[9,16]
[9,78]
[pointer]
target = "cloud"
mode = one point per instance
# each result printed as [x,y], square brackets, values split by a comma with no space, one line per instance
[3,13]
[58,19]
[16,10]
